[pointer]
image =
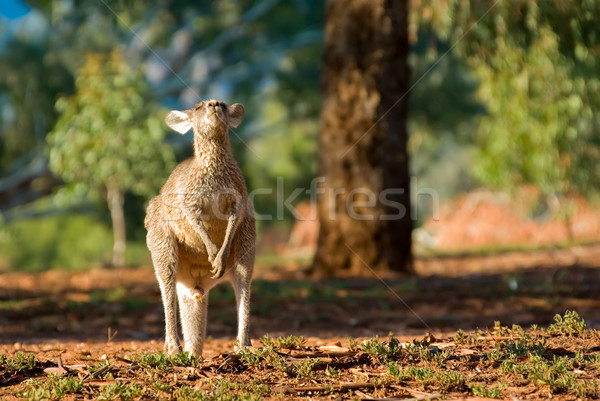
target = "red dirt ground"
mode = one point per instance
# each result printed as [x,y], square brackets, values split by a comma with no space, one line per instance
[82,316]
[465,292]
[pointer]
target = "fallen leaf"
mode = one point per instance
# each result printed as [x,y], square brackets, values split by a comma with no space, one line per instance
[333,348]
[59,371]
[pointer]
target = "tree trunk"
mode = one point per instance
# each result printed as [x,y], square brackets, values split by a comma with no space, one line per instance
[114,197]
[364,199]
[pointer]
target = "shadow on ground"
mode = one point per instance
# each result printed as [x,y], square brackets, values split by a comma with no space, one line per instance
[125,304]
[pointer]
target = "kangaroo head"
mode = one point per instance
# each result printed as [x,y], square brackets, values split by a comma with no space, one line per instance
[207,117]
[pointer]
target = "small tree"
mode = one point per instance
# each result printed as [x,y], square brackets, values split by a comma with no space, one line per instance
[109,138]
[537,67]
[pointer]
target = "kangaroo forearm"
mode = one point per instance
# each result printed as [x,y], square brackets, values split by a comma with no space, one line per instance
[232,226]
[200,229]
[205,237]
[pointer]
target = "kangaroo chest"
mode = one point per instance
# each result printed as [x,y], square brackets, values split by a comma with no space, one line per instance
[215,199]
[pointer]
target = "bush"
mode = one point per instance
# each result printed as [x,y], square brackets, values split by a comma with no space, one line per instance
[69,242]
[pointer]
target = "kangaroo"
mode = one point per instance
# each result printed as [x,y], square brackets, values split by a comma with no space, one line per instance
[201,227]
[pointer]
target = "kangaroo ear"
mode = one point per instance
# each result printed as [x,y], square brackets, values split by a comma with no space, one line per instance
[236,114]
[179,121]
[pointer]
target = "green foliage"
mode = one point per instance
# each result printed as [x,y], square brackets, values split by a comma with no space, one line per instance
[332,372]
[20,363]
[306,368]
[353,344]
[441,117]
[162,387]
[226,390]
[290,342]
[383,351]
[570,324]
[450,381]
[527,134]
[537,69]
[54,245]
[55,388]
[557,374]
[525,345]
[283,157]
[101,365]
[479,390]
[283,342]
[250,358]
[228,49]
[162,361]
[535,370]
[120,391]
[460,336]
[31,80]
[525,355]
[510,87]
[425,376]
[110,132]
[269,356]
[594,360]
[265,356]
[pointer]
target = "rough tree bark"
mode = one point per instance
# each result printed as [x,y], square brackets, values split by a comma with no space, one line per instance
[364,199]
[115,199]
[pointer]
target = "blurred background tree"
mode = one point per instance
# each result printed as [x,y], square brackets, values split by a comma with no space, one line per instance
[263,54]
[109,138]
[502,94]
[363,140]
[29,84]
[538,74]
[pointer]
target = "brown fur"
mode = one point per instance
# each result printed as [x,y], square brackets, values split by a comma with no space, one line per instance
[201,227]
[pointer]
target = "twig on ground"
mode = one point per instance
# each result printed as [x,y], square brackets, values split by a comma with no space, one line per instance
[320,389]
[98,372]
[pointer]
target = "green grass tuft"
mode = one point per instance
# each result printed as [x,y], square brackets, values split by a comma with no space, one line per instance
[479,390]
[162,361]
[55,388]
[20,363]
[380,350]
[120,391]
[570,324]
